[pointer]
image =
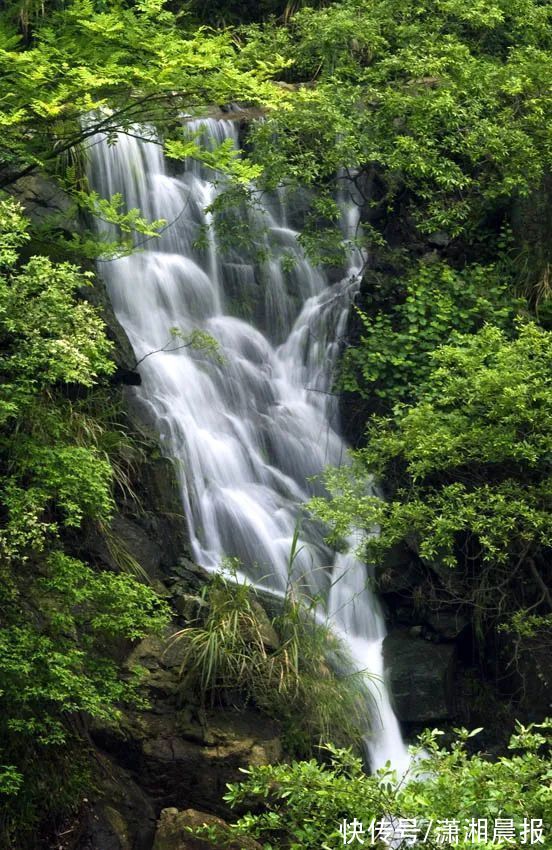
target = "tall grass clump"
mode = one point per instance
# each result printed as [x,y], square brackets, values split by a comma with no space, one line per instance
[291,666]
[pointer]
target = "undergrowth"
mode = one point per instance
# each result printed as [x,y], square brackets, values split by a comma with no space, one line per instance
[292,666]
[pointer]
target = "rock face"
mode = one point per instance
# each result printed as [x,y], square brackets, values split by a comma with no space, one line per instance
[420,677]
[123,819]
[166,758]
[179,757]
[448,625]
[42,198]
[171,756]
[147,532]
[173,832]
[531,677]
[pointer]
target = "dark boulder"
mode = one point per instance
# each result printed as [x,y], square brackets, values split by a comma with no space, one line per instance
[120,818]
[420,676]
[446,623]
[399,572]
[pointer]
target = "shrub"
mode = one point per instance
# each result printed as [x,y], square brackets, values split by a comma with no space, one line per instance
[308,805]
[468,472]
[433,302]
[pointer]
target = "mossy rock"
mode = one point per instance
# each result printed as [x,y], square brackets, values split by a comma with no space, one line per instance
[173,832]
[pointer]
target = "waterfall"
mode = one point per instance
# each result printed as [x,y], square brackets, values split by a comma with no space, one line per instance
[250,429]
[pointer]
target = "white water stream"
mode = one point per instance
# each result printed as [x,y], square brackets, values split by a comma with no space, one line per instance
[249,432]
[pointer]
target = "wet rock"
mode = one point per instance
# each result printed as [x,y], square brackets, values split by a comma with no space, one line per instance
[123,353]
[188,577]
[122,818]
[398,572]
[442,576]
[148,653]
[531,675]
[127,377]
[439,238]
[43,198]
[137,543]
[420,676]
[267,631]
[179,759]
[173,832]
[162,658]
[148,533]
[449,625]
[179,753]
[188,605]
[106,829]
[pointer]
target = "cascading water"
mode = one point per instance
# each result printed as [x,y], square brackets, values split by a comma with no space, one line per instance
[250,429]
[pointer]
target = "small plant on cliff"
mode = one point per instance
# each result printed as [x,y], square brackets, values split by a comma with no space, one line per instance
[282,665]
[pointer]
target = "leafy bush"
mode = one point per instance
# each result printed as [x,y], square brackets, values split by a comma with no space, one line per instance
[311,805]
[392,359]
[50,338]
[282,665]
[449,103]
[468,470]
[62,666]
[58,617]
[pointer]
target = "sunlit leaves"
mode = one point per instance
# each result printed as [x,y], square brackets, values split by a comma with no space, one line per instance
[423,310]
[305,804]
[470,460]
[136,62]
[448,100]
[224,158]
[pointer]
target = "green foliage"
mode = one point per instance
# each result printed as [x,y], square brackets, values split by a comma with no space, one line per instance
[469,470]
[393,357]
[282,665]
[526,625]
[10,780]
[224,157]
[196,340]
[60,668]
[304,804]
[450,103]
[44,790]
[111,211]
[322,238]
[443,108]
[120,232]
[224,12]
[83,69]
[48,338]
[47,334]
[58,617]
[122,67]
